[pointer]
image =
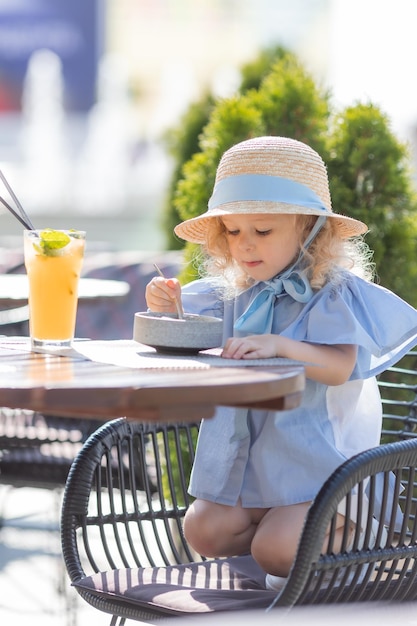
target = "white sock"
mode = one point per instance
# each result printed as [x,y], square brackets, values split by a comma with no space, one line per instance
[275,583]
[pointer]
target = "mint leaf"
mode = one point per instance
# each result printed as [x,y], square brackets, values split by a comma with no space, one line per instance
[51,242]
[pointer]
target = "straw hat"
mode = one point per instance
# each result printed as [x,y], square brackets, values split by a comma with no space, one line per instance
[269,175]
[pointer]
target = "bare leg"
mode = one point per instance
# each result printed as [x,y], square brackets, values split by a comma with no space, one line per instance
[215,530]
[276,539]
[270,535]
[275,543]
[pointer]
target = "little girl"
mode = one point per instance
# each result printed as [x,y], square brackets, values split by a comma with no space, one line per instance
[291,278]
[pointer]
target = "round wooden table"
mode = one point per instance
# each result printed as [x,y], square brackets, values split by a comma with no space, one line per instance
[106,379]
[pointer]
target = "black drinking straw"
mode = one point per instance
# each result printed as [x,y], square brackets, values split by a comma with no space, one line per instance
[23,217]
[17,216]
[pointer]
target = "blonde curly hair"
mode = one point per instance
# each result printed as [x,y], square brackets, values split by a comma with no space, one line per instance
[326,259]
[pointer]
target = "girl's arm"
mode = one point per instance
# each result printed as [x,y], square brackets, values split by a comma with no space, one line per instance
[330,365]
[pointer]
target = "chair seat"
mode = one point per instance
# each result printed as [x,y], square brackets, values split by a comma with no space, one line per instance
[232,584]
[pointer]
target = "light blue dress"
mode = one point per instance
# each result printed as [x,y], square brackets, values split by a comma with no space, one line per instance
[269,458]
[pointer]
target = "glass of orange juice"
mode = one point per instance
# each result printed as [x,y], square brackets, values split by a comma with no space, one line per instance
[53,260]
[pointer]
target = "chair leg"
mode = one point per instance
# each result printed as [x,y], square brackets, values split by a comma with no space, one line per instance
[114,621]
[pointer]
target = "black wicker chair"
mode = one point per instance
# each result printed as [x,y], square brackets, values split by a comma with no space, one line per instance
[126,555]
[37,450]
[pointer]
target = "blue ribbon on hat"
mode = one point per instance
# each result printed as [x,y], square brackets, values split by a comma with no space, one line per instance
[258,317]
[264,188]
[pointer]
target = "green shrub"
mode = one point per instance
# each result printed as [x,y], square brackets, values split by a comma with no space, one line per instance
[182,143]
[370,180]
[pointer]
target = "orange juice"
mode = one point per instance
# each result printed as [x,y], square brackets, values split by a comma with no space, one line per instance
[53,261]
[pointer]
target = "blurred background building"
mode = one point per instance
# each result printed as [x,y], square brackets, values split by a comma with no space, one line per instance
[88,88]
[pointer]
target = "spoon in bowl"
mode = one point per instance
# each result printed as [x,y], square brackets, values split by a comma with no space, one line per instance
[180,312]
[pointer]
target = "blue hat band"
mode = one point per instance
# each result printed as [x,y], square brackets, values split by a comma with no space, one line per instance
[264,188]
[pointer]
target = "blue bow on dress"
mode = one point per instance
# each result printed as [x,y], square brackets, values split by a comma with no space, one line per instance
[258,317]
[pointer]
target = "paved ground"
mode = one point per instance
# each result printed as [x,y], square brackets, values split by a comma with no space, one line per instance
[34,588]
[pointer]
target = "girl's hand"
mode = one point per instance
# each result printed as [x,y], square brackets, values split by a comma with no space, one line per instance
[161,293]
[327,364]
[252,347]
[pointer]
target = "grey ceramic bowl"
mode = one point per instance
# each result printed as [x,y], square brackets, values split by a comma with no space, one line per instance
[167,333]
